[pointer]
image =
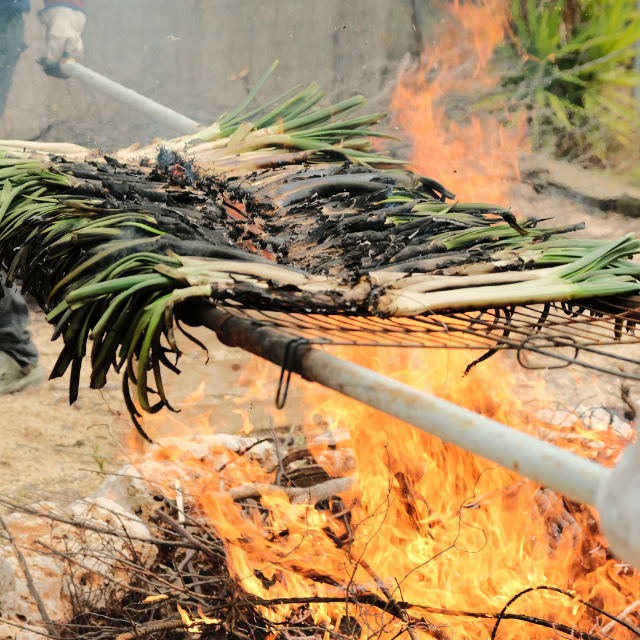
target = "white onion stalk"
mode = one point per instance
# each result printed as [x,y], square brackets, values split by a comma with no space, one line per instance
[423,284]
[198,266]
[400,303]
[44,147]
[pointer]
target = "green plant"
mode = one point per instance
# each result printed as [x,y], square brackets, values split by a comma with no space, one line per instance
[97,458]
[574,73]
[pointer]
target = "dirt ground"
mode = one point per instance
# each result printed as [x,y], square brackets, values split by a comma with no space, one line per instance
[48,446]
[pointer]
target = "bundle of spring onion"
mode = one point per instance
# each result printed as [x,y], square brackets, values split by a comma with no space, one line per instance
[249,138]
[111,251]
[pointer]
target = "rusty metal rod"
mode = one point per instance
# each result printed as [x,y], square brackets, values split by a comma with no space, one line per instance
[575,477]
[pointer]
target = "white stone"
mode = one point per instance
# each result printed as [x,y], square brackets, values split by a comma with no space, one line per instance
[127,488]
[7,579]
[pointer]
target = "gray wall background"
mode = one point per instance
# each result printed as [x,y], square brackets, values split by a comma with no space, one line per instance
[184,54]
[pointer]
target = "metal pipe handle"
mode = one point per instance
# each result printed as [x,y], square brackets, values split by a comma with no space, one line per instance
[146,106]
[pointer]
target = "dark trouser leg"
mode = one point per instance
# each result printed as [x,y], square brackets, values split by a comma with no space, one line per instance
[11,46]
[14,337]
[14,313]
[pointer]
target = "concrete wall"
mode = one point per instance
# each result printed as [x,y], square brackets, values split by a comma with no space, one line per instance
[184,54]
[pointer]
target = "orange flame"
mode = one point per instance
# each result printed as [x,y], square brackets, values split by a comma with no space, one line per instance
[205,619]
[478,159]
[430,524]
[190,624]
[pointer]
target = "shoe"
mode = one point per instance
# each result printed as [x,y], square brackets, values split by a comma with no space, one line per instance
[14,377]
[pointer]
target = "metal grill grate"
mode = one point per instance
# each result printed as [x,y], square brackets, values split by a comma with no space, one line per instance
[598,334]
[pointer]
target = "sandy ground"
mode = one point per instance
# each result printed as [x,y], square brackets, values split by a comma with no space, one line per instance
[44,442]
[46,445]
[599,224]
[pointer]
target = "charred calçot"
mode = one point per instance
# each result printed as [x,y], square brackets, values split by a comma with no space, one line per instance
[112,250]
[346,219]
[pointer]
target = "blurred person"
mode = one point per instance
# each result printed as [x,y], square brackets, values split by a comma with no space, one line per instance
[65,21]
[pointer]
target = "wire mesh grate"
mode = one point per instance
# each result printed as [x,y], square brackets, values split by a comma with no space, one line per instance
[597,334]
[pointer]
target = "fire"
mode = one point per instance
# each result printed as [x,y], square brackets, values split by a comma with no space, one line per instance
[192,624]
[478,159]
[429,523]
[414,487]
